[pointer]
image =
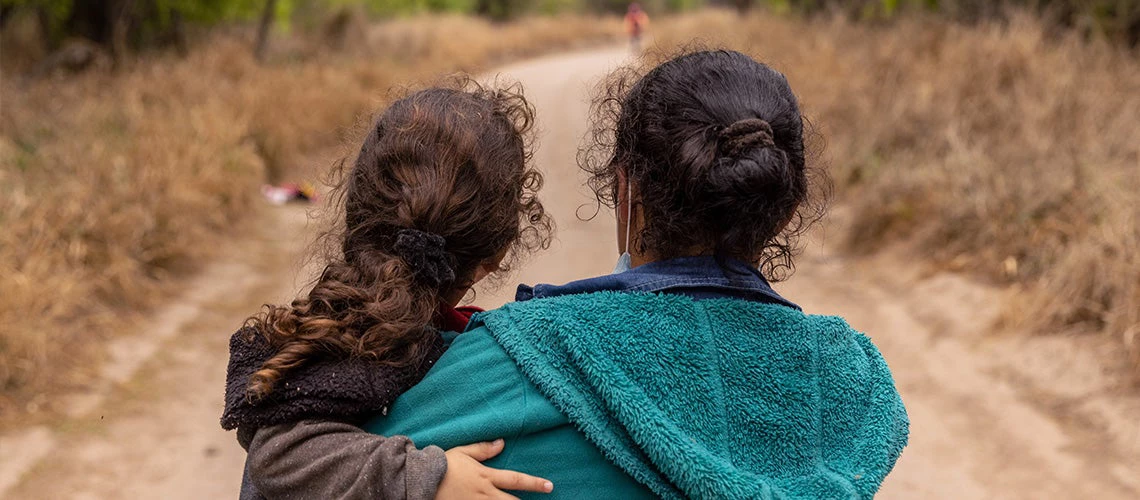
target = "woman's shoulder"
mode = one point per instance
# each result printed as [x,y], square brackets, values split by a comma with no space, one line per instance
[618,307]
[481,391]
[474,354]
[475,345]
[533,328]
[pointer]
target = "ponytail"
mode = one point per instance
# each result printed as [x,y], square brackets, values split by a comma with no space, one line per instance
[373,307]
[417,222]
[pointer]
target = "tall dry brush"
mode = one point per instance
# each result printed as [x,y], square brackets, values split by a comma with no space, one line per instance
[1001,149]
[113,184]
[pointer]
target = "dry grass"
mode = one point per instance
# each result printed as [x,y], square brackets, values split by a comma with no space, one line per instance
[112,184]
[994,149]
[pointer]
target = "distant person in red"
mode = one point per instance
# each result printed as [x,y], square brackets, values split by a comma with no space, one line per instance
[636,22]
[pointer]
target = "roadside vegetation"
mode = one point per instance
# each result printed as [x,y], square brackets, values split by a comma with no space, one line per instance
[1007,149]
[116,182]
[134,135]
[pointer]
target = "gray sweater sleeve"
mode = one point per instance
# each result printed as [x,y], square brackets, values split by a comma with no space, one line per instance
[322,459]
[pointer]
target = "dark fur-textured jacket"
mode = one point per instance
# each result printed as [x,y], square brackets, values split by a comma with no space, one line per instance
[348,390]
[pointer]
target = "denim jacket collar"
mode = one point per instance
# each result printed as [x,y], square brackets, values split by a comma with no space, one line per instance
[700,277]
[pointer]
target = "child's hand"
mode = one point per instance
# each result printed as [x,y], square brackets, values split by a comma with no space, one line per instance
[467,478]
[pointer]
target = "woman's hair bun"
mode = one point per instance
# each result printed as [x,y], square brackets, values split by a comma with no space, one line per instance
[750,164]
[720,170]
[744,135]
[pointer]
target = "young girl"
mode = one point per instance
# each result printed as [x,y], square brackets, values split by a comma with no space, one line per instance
[440,196]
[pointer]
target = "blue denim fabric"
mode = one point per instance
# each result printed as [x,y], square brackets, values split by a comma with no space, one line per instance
[701,277]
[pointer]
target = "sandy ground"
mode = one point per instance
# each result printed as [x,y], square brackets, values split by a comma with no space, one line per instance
[993,416]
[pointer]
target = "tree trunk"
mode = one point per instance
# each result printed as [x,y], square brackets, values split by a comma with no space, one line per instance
[120,25]
[263,30]
[51,41]
[5,14]
[178,33]
[497,10]
[483,8]
[743,6]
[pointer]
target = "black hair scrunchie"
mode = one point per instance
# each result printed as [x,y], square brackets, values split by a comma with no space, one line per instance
[426,255]
[746,134]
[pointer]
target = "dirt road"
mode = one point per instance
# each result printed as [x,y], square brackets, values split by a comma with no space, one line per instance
[1003,416]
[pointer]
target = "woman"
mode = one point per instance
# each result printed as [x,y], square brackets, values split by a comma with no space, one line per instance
[683,374]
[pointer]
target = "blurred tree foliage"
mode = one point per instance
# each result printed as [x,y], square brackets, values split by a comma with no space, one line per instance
[145,23]
[651,6]
[149,21]
[1118,20]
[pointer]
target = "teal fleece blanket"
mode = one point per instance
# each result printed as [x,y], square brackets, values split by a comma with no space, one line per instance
[626,395]
[719,398]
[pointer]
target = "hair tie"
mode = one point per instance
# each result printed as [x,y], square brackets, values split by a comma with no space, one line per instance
[426,256]
[744,135]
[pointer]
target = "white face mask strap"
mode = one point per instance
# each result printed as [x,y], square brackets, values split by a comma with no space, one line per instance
[628,211]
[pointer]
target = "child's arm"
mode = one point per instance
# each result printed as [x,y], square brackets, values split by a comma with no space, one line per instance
[320,459]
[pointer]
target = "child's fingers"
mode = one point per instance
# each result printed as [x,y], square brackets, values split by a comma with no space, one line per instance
[512,480]
[481,451]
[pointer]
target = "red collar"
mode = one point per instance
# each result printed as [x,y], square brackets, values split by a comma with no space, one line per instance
[454,319]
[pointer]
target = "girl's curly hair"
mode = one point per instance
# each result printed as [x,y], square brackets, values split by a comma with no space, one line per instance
[716,148]
[441,186]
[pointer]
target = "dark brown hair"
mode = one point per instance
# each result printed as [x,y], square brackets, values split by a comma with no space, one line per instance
[441,185]
[713,142]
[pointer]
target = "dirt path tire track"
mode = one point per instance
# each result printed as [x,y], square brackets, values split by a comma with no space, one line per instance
[982,405]
[980,429]
[154,432]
